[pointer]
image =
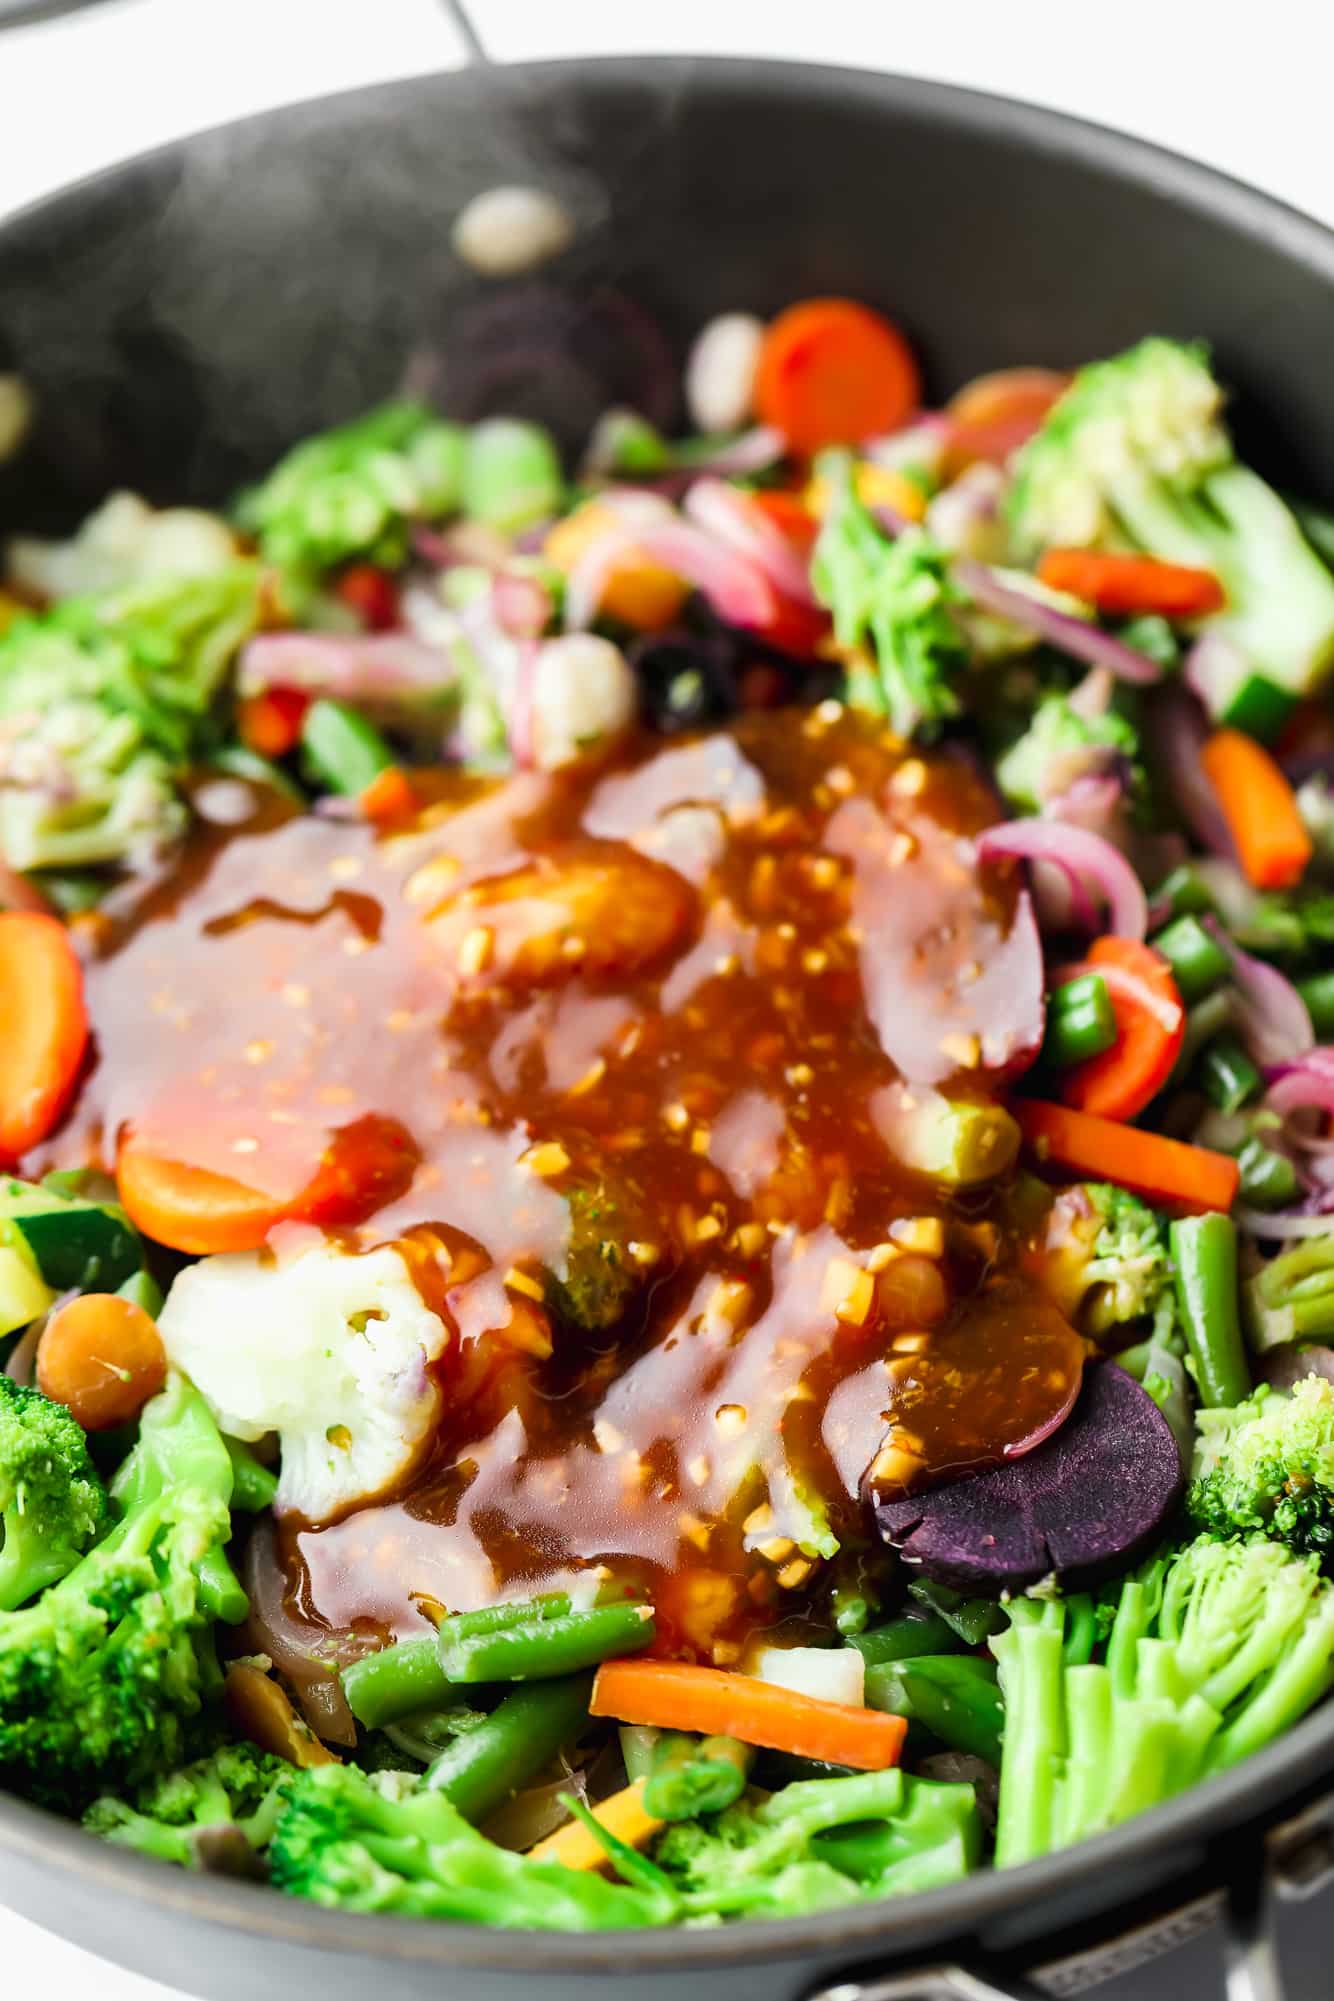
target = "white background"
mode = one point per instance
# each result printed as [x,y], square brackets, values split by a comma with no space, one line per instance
[1246,89]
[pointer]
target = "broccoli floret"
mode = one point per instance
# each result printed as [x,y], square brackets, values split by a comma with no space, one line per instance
[52,1502]
[357,489]
[101,1676]
[214,1812]
[1135,455]
[103,702]
[1292,1297]
[1105,1257]
[1268,1465]
[1204,1657]
[382,1841]
[821,1843]
[1060,746]
[891,604]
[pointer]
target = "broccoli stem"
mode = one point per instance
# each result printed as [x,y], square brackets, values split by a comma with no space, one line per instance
[1303,1673]
[1029,1656]
[221,1593]
[483,1767]
[1204,1250]
[1292,1297]
[346,752]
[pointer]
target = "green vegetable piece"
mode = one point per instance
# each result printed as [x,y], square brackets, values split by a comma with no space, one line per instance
[396,1681]
[1184,892]
[52,1501]
[953,1696]
[344,750]
[1318,994]
[537,1649]
[500,1618]
[511,475]
[1228,1077]
[1061,745]
[213,1813]
[142,1289]
[77,1245]
[254,1485]
[237,760]
[958,1143]
[905,1638]
[1291,1298]
[482,1768]
[1266,1467]
[1080,1022]
[973,1619]
[24,1294]
[1204,1251]
[1268,1179]
[1198,962]
[693,1775]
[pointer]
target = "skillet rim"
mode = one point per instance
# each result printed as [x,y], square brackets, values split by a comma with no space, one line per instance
[1189,1823]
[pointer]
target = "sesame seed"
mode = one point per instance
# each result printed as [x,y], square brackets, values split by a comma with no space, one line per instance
[573,947]
[799,1075]
[699,1140]
[824,871]
[728,964]
[245,1146]
[814,960]
[475,951]
[707,1228]
[697,1470]
[643,1254]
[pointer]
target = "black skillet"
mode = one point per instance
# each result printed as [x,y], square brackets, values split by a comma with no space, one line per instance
[186,316]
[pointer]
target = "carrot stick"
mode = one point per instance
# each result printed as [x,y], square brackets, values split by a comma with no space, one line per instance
[831,372]
[1259,807]
[672,1695]
[1126,585]
[1162,1170]
[623,1815]
[390,796]
[43,1027]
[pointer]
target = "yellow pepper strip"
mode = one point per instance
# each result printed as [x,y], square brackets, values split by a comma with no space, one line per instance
[638,592]
[622,1815]
[877,486]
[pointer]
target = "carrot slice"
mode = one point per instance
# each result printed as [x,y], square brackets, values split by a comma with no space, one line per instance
[102,1357]
[832,372]
[1162,1170]
[1260,809]
[390,796]
[672,1695]
[1126,585]
[1120,1082]
[994,414]
[270,723]
[191,1208]
[43,1027]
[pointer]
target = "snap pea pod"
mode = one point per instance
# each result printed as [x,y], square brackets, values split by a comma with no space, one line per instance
[692,1775]
[1204,1252]
[486,1765]
[343,749]
[535,1649]
[910,1634]
[396,1681]
[954,1696]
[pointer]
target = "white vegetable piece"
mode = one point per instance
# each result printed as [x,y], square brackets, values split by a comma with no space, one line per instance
[329,1350]
[507,230]
[835,1674]
[584,693]
[125,542]
[720,373]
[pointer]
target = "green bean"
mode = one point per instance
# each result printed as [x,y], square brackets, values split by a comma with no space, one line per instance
[486,1765]
[1318,993]
[1268,1179]
[511,474]
[253,1484]
[692,1775]
[1204,1252]
[954,1696]
[536,1649]
[499,1618]
[1227,1075]
[1185,892]
[143,1289]
[1081,1629]
[1198,962]
[973,1619]
[396,1681]
[1080,1022]
[343,749]
[901,1639]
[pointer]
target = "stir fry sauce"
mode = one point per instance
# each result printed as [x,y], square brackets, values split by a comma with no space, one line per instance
[622,1056]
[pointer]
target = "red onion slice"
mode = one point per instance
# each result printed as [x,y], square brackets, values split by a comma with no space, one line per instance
[352,667]
[732,517]
[1305,1085]
[737,588]
[522,605]
[1083,857]
[1270,1014]
[1178,732]
[1074,636]
[291,1643]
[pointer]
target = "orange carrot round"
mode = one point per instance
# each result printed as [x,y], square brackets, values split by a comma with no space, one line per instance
[191,1208]
[672,1695]
[102,1357]
[1260,809]
[43,1027]
[390,796]
[832,372]
[1124,586]
[1119,1083]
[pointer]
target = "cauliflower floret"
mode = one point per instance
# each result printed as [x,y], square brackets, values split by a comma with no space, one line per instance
[331,1351]
[126,542]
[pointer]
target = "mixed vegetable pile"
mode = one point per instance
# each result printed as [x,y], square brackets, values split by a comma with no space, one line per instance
[1068,583]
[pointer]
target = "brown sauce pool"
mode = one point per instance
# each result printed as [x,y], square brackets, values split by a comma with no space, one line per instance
[684,986]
